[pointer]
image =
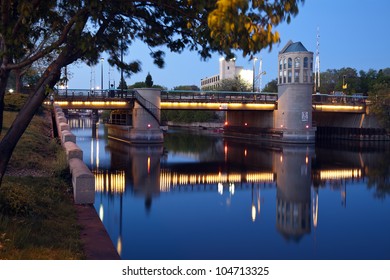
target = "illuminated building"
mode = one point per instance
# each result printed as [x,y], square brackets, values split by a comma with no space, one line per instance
[227,70]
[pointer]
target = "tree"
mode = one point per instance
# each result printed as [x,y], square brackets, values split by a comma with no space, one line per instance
[122,84]
[235,84]
[271,86]
[189,87]
[380,102]
[143,85]
[82,30]
[149,81]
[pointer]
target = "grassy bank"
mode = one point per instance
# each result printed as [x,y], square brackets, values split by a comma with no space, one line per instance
[37,216]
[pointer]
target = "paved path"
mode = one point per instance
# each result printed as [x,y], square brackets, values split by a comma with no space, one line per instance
[97,243]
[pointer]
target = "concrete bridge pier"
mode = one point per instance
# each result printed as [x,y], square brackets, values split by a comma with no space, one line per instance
[147,117]
[145,126]
[293,118]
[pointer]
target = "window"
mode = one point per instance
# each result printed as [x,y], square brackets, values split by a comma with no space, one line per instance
[289,63]
[289,76]
[296,76]
[284,63]
[305,76]
[280,64]
[297,62]
[284,76]
[305,62]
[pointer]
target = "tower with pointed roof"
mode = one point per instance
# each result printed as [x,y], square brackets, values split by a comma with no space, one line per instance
[293,118]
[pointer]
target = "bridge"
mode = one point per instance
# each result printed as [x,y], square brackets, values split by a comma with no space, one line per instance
[202,100]
[290,116]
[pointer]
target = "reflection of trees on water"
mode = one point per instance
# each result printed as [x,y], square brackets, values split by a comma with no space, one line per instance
[372,157]
[378,175]
[184,142]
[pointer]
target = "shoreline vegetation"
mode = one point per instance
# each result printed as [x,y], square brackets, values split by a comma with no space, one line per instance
[38,220]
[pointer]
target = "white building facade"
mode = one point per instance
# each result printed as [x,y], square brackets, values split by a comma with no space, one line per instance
[227,70]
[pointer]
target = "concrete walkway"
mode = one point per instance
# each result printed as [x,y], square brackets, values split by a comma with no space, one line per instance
[97,244]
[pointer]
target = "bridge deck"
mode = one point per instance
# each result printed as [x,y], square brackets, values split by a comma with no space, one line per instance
[203,100]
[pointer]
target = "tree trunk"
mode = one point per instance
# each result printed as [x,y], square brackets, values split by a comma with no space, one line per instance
[18,80]
[3,86]
[23,119]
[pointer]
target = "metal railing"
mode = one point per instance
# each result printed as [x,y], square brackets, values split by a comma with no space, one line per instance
[339,99]
[217,96]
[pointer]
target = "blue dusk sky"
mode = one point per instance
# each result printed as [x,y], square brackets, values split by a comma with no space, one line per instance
[353,33]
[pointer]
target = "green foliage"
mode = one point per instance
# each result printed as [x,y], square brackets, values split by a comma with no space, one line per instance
[138,85]
[148,81]
[235,84]
[379,98]
[191,87]
[362,82]
[37,215]
[183,142]
[143,85]
[271,86]
[247,25]
[122,84]
[14,101]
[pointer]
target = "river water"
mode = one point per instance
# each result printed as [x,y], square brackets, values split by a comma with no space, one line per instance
[208,197]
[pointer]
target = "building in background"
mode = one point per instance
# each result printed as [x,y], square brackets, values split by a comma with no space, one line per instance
[227,70]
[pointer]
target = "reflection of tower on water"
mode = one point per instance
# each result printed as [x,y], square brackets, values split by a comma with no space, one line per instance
[256,202]
[315,207]
[293,169]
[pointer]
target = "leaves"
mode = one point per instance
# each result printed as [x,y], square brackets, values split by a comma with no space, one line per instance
[248,25]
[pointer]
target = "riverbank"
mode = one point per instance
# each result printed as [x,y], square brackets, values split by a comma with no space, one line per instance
[37,217]
[38,220]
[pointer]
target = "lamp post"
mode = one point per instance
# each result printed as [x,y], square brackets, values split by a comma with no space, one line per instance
[101,75]
[254,73]
[121,81]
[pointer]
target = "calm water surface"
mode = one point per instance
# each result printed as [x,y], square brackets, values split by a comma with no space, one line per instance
[202,197]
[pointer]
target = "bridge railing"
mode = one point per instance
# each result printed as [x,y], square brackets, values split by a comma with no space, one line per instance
[355,99]
[218,96]
[95,94]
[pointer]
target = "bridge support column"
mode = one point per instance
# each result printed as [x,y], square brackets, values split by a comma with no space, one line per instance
[145,120]
[293,118]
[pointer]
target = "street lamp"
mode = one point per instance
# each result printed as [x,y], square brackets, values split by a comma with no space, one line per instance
[101,74]
[254,73]
[260,75]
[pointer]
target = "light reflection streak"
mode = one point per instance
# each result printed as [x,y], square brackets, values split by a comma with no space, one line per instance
[169,180]
[340,174]
[111,182]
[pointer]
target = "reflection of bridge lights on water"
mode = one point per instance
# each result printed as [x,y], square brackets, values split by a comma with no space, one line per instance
[260,177]
[169,180]
[340,174]
[111,182]
[119,246]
